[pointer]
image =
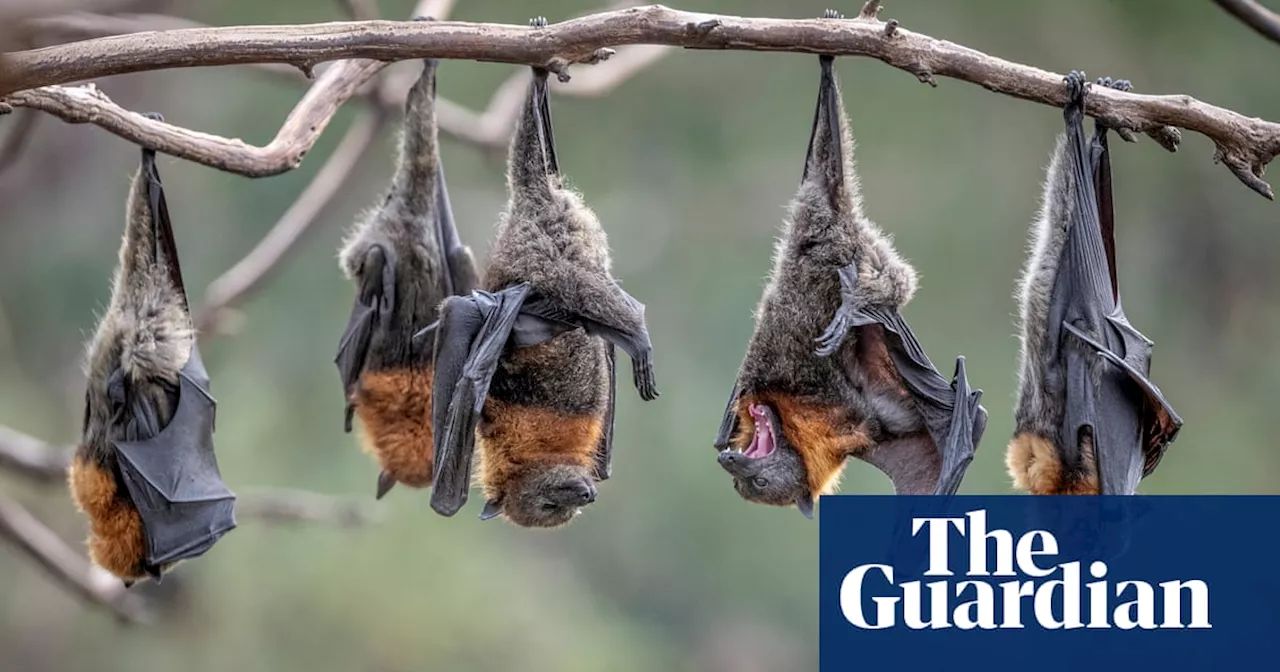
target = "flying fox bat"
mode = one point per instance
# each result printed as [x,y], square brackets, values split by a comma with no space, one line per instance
[526,365]
[1088,419]
[145,472]
[405,258]
[832,370]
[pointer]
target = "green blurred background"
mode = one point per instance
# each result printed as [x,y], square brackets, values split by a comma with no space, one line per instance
[689,166]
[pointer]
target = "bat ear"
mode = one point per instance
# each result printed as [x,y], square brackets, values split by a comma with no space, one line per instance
[804,502]
[492,509]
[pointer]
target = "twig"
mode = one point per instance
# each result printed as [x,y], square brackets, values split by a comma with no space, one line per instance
[1246,145]
[85,104]
[300,506]
[238,282]
[32,457]
[64,564]
[1254,15]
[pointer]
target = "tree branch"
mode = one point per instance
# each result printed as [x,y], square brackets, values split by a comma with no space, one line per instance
[85,104]
[240,281]
[1254,15]
[1246,145]
[87,25]
[67,566]
[301,506]
[32,457]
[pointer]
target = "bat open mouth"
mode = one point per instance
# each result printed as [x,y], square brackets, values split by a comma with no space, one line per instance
[764,441]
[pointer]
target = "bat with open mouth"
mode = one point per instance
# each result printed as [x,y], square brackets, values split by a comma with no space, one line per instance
[525,366]
[832,370]
[1088,418]
[145,473]
[405,257]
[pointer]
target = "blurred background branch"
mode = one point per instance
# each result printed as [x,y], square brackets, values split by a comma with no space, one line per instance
[1254,15]
[67,566]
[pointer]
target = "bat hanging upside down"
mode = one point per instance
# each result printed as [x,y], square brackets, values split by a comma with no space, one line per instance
[832,370]
[145,472]
[529,360]
[1088,420]
[405,258]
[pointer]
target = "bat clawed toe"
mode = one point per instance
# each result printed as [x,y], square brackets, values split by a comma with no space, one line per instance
[1117,84]
[385,483]
[1077,84]
[833,337]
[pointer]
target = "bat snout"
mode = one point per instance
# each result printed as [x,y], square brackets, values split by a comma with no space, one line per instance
[733,461]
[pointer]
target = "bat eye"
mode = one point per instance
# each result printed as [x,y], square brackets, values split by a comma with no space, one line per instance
[549,506]
[759,482]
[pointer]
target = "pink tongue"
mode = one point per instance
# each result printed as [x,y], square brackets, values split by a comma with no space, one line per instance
[762,441]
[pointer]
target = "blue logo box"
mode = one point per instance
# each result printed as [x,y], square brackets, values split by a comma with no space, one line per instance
[1049,583]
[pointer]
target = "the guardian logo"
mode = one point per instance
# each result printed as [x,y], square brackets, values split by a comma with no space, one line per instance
[1039,588]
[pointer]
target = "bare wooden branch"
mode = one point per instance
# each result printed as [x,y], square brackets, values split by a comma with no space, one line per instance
[85,104]
[238,282]
[48,30]
[301,506]
[67,566]
[1254,15]
[1246,145]
[33,458]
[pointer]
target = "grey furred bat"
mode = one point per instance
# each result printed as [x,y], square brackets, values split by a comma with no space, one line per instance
[832,370]
[404,257]
[145,473]
[525,367]
[1088,418]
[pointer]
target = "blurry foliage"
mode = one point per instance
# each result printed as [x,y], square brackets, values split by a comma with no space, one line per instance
[689,166]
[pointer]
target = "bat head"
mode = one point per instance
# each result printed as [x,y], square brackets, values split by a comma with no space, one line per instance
[768,470]
[543,496]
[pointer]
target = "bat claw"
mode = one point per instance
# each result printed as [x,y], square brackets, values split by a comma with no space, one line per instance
[642,371]
[1117,84]
[833,337]
[538,22]
[385,483]
[1077,85]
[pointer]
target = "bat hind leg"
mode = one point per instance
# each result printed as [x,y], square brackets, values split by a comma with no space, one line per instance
[394,407]
[115,541]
